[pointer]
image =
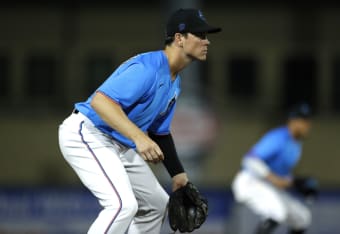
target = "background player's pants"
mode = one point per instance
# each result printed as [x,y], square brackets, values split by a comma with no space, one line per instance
[133,201]
[269,202]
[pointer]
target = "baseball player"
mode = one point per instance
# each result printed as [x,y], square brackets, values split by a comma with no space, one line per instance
[110,138]
[262,184]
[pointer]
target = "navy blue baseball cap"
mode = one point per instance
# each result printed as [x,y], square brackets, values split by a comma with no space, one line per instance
[300,110]
[189,21]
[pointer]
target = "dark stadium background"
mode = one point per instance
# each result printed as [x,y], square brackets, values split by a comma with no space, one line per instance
[269,55]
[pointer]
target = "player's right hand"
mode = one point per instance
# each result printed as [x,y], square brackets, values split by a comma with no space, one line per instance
[148,149]
[279,181]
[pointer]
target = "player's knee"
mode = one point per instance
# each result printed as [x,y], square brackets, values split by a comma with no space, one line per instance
[278,213]
[162,205]
[127,206]
[130,208]
[159,204]
[304,220]
[279,217]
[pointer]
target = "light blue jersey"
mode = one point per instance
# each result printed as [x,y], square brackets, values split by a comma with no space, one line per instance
[279,150]
[142,86]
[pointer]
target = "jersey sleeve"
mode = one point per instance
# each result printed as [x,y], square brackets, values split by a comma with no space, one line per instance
[267,147]
[127,85]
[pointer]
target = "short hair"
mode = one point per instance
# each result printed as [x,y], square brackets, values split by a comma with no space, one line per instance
[170,39]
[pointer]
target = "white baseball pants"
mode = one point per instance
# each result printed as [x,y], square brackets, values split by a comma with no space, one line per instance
[269,202]
[133,201]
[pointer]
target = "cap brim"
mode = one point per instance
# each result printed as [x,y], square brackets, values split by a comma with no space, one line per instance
[208,29]
[215,30]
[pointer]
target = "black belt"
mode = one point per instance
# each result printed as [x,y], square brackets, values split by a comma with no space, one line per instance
[75,111]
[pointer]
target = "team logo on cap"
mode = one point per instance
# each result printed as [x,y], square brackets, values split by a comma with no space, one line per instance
[200,14]
[305,109]
[181,27]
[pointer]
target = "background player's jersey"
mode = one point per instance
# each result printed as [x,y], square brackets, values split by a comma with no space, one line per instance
[142,86]
[279,150]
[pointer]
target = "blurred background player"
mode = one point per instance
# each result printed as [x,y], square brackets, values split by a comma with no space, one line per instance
[109,139]
[267,173]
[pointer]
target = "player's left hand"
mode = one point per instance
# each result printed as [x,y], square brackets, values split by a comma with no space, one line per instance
[179,180]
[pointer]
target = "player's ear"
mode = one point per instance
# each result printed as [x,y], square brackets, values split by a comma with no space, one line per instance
[178,38]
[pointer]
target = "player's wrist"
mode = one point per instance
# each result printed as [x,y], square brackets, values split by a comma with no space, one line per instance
[179,180]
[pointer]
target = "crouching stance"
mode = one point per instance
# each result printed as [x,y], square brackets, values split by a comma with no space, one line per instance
[266,177]
[110,138]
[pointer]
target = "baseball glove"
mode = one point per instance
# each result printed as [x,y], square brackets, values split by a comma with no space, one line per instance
[188,209]
[306,186]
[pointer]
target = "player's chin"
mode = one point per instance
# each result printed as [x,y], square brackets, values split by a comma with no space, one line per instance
[202,57]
